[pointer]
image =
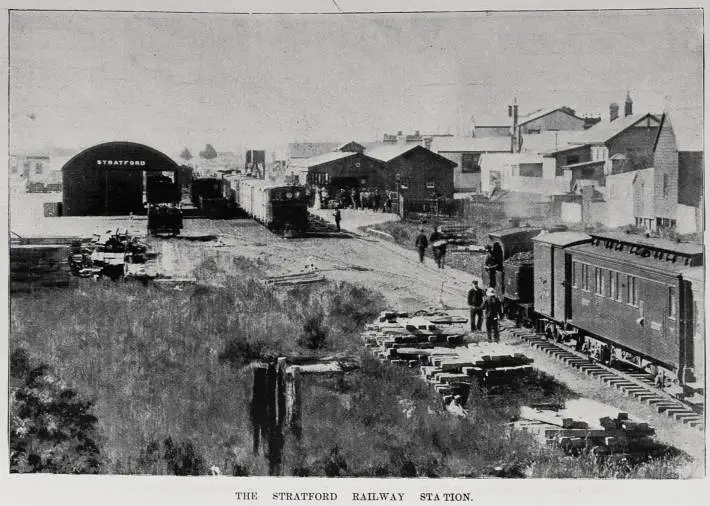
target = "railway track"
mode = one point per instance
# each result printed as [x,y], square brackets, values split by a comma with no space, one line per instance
[638,385]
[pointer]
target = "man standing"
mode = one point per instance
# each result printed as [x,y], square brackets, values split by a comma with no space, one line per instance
[494,311]
[421,244]
[491,266]
[438,247]
[337,217]
[475,302]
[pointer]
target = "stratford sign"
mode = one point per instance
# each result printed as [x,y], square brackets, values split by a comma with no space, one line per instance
[135,163]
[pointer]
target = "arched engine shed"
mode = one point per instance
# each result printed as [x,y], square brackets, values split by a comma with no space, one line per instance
[118,178]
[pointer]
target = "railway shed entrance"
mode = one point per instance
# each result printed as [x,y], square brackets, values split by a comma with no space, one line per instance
[118,178]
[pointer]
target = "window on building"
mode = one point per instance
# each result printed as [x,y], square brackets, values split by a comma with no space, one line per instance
[631,291]
[430,184]
[38,168]
[665,185]
[672,302]
[469,162]
[530,169]
[572,159]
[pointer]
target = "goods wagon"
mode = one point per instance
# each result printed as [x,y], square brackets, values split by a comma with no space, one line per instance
[205,188]
[283,209]
[512,251]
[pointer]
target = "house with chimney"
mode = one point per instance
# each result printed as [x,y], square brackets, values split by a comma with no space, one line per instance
[561,118]
[622,144]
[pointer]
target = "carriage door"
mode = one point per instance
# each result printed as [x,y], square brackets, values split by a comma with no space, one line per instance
[542,273]
[564,286]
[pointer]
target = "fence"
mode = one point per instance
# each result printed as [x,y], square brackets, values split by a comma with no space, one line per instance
[479,214]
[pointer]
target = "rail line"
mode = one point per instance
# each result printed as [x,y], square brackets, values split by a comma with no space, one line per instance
[638,385]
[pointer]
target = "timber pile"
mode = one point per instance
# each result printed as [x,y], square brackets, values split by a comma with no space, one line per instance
[287,280]
[436,349]
[38,265]
[615,433]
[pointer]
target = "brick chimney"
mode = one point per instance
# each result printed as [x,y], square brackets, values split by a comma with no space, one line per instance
[628,105]
[613,111]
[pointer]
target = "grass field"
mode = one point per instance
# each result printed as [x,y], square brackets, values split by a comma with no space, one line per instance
[167,373]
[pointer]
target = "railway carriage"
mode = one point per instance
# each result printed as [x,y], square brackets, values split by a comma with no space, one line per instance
[281,208]
[632,296]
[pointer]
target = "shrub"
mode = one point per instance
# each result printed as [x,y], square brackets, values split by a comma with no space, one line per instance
[314,333]
[52,430]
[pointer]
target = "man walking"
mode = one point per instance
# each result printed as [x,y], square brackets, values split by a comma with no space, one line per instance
[438,247]
[494,311]
[475,302]
[337,217]
[421,244]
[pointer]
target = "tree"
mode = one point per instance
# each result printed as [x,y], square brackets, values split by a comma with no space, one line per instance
[209,153]
[186,155]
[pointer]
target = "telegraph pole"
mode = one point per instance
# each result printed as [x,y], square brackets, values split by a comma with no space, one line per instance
[515,134]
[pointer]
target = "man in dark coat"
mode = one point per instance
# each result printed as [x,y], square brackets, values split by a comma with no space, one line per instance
[337,217]
[493,308]
[421,244]
[475,303]
[491,265]
[438,247]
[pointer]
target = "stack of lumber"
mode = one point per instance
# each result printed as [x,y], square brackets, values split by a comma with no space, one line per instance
[301,278]
[614,432]
[436,349]
[39,265]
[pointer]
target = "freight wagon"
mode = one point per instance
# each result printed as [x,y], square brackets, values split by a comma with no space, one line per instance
[283,209]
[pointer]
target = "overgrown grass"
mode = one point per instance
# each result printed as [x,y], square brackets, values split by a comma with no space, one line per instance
[162,363]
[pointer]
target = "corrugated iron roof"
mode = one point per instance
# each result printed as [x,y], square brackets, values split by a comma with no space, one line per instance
[548,140]
[310,149]
[509,158]
[321,159]
[562,238]
[541,113]
[606,130]
[583,164]
[471,144]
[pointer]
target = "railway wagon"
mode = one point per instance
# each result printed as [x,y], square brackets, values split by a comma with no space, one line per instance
[205,188]
[515,277]
[552,264]
[281,208]
[629,292]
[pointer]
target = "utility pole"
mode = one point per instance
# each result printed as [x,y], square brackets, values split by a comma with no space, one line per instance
[515,134]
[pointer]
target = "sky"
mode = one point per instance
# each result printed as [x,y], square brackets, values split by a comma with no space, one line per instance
[259,81]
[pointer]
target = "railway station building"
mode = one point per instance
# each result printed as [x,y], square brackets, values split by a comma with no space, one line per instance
[116,178]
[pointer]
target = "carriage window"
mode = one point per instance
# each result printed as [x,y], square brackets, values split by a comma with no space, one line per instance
[614,293]
[610,282]
[585,277]
[574,274]
[672,302]
[599,288]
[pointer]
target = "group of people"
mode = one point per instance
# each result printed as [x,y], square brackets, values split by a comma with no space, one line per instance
[438,243]
[485,305]
[354,198]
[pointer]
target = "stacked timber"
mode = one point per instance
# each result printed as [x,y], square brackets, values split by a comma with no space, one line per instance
[614,433]
[33,266]
[437,350]
[288,280]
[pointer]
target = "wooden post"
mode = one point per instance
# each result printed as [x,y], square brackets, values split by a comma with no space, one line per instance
[294,402]
[258,405]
